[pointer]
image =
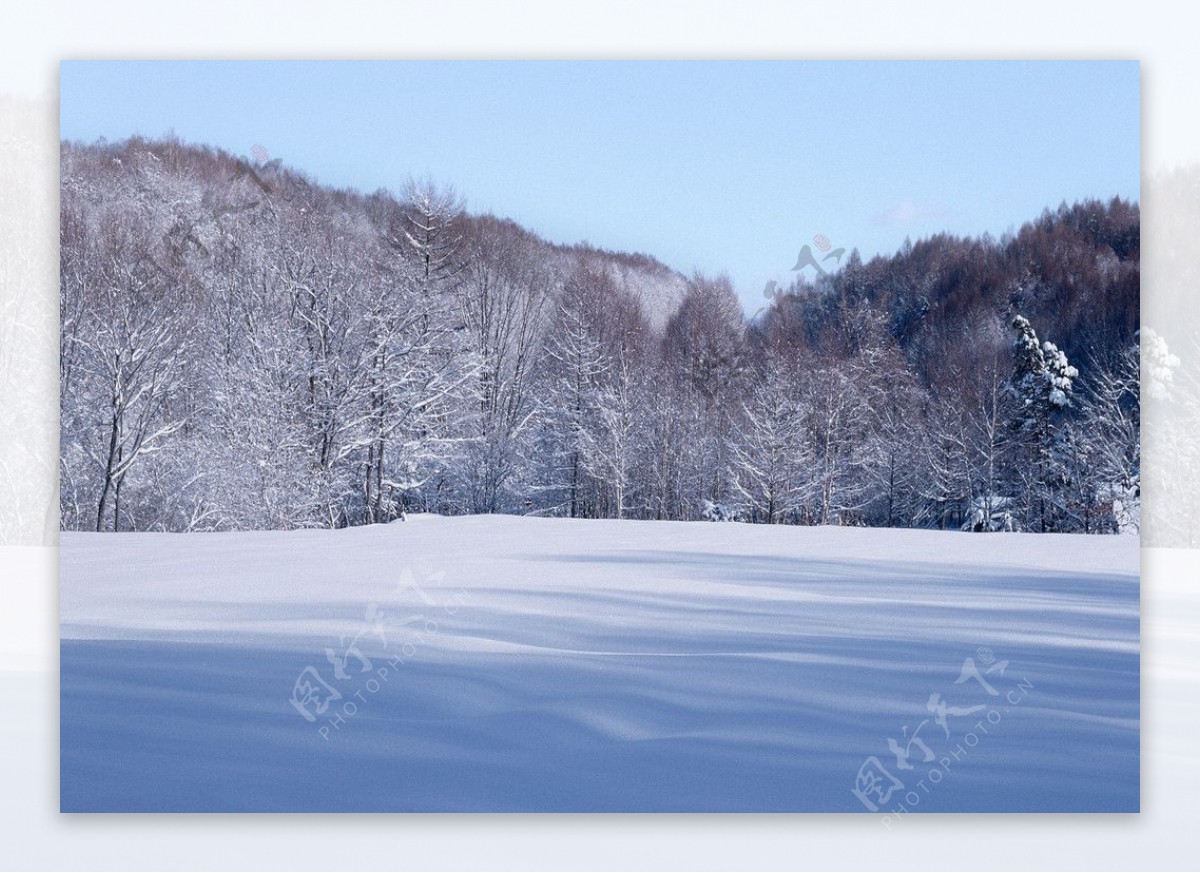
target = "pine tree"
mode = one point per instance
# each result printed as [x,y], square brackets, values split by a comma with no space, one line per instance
[1041,386]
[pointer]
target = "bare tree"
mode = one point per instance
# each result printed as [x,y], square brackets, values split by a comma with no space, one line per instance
[772,457]
[135,347]
[503,298]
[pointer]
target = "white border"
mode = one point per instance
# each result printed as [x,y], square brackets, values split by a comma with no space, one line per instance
[34,836]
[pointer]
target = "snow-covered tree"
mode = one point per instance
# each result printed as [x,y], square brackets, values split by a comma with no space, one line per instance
[503,294]
[946,471]
[1106,443]
[134,354]
[1158,364]
[580,363]
[1042,384]
[243,347]
[705,346]
[893,441]
[838,421]
[771,458]
[612,442]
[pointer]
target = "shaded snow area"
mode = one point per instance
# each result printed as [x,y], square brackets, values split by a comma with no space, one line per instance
[512,664]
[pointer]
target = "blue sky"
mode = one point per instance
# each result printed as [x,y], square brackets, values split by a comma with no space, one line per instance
[708,165]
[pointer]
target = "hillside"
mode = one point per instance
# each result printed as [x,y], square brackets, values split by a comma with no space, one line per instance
[244,348]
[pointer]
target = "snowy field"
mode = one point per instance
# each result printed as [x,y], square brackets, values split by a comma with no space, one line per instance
[517,664]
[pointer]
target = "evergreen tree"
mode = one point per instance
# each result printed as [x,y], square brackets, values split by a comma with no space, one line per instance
[1041,386]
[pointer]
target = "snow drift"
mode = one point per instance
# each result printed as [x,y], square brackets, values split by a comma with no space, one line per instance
[518,664]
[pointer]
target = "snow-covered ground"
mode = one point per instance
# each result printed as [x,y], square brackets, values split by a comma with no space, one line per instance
[500,663]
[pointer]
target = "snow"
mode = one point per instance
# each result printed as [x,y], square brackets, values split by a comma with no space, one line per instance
[1158,364]
[522,664]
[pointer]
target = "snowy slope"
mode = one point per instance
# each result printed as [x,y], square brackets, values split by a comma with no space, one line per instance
[539,664]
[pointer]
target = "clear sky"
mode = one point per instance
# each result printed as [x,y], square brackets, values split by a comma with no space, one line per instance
[708,165]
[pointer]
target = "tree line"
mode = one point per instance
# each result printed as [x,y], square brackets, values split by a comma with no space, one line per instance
[243,348]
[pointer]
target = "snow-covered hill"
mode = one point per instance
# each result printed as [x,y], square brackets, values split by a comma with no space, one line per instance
[657,289]
[500,663]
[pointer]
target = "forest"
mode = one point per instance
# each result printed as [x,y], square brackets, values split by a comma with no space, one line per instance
[243,348]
